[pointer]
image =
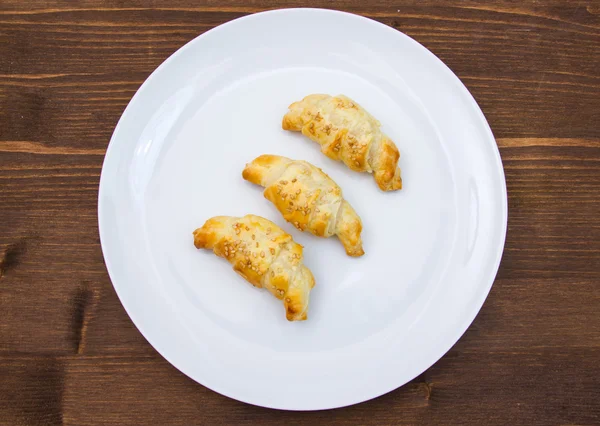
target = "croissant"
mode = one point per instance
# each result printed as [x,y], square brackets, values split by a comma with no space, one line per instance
[348,133]
[308,198]
[264,255]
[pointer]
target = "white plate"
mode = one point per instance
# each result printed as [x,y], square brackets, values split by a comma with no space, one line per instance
[376,322]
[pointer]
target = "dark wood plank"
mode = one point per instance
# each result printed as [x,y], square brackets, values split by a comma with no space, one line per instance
[70,355]
[461,388]
[535,60]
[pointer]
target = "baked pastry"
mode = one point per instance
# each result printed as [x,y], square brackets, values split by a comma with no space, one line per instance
[348,133]
[307,198]
[264,254]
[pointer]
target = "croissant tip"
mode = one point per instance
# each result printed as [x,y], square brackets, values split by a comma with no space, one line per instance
[356,253]
[292,317]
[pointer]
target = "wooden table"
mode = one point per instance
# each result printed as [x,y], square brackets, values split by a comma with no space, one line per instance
[68,351]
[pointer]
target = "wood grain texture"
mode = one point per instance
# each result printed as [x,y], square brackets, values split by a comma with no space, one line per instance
[70,355]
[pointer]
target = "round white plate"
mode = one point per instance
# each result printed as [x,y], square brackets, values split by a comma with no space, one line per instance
[376,322]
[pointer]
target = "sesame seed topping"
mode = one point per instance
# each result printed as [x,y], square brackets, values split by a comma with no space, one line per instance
[298,192]
[317,210]
[357,163]
[268,231]
[247,229]
[262,254]
[294,180]
[253,236]
[257,244]
[284,182]
[272,250]
[254,254]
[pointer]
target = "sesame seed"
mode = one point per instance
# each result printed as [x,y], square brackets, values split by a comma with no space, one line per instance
[268,231]
[257,244]
[294,180]
[298,192]
[253,236]
[247,229]
[291,202]
[284,182]
[237,231]
[262,254]
[287,299]
[317,210]
[273,275]
[357,163]
[254,254]
[272,250]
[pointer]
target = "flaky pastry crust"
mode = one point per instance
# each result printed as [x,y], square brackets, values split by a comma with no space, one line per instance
[308,198]
[347,133]
[263,254]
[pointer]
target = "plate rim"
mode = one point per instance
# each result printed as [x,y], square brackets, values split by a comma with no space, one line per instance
[490,139]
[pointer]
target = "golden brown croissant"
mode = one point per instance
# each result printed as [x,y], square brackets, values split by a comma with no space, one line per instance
[308,198]
[348,133]
[264,254]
